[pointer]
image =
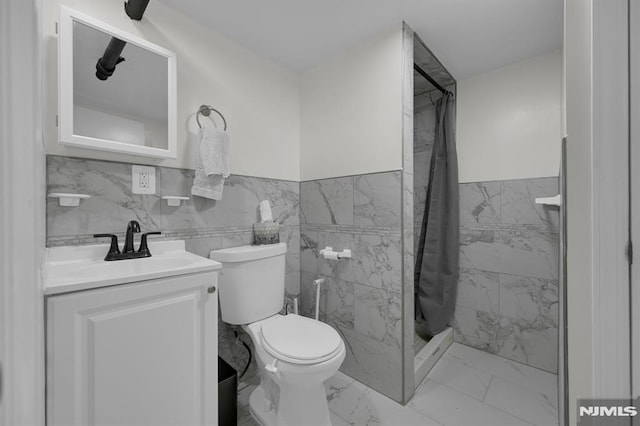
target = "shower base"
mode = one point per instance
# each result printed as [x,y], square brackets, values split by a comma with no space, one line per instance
[424,360]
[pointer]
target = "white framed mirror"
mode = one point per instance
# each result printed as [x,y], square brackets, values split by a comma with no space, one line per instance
[116,91]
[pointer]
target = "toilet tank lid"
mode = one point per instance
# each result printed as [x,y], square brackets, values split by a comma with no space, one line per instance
[245,253]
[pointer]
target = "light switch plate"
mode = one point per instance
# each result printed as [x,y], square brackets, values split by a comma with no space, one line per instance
[143,180]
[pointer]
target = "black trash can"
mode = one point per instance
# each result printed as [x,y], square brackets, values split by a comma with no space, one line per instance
[227,394]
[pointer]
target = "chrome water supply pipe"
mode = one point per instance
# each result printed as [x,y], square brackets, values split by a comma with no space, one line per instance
[317,284]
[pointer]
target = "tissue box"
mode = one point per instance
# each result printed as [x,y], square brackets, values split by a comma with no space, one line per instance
[266,233]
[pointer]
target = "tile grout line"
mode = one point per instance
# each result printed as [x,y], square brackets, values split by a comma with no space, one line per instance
[487,391]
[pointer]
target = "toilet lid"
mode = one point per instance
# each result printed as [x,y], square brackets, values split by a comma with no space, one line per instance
[299,340]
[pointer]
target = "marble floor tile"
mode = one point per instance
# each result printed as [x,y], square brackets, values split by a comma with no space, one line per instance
[336,420]
[522,402]
[245,418]
[450,407]
[512,371]
[361,405]
[407,416]
[455,374]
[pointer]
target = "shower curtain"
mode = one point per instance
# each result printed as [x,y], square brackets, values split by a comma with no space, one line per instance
[436,271]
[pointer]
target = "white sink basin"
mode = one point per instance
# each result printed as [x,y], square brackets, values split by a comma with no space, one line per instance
[76,268]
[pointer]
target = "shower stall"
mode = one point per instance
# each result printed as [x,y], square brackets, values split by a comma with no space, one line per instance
[426,82]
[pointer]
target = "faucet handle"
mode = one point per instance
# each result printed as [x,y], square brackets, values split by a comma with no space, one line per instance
[144,249]
[113,250]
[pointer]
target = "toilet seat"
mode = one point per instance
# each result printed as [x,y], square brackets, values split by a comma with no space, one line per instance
[299,340]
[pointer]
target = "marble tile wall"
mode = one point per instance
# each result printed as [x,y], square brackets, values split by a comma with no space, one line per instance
[508,287]
[361,297]
[424,131]
[204,224]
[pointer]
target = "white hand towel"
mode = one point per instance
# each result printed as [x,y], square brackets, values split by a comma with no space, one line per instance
[214,151]
[212,165]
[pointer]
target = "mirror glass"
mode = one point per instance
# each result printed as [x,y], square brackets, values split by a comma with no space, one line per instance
[117,92]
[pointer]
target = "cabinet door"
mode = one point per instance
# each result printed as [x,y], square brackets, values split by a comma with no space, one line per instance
[136,354]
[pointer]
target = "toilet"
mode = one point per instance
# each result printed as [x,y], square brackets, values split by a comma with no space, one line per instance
[295,354]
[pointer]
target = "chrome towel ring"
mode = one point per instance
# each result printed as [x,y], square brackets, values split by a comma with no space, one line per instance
[206,111]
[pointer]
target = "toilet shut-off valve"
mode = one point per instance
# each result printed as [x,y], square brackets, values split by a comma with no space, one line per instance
[272,368]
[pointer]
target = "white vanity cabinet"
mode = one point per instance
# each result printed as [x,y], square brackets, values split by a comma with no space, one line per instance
[143,353]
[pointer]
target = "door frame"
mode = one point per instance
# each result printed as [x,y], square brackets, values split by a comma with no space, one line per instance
[22,223]
[634,147]
[610,202]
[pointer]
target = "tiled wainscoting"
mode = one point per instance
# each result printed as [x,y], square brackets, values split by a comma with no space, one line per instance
[204,224]
[508,287]
[361,297]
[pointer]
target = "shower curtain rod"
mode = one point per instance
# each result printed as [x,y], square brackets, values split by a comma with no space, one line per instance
[428,77]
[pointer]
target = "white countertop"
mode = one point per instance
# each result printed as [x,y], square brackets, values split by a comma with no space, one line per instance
[73,268]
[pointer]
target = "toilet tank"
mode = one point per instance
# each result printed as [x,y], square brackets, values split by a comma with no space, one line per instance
[251,285]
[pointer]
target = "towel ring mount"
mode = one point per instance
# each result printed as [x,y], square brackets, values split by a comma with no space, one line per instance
[206,111]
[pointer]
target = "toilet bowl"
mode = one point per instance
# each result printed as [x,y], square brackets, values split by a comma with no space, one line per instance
[294,354]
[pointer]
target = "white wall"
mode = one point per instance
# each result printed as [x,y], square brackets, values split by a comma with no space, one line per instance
[509,121]
[351,116]
[260,100]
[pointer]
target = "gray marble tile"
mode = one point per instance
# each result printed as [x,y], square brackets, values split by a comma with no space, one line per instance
[528,298]
[111,206]
[422,166]
[424,123]
[518,251]
[377,200]
[515,372]
[291,237]
[408,264]
[236,240]
[245,418]
[534,343]
[376,260]
[336,302]
[360,405]
[238,206]
[242,195]
[479,290]
[233,353]
[307,293]
[419,203]
[195,213]
[378,314]
[309,251]
[518,202]
[407,142]
[408,329]
[202,246]
[535,407]
[407,67]
[375,364]
[480,202]
[327,201]
[476,328]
